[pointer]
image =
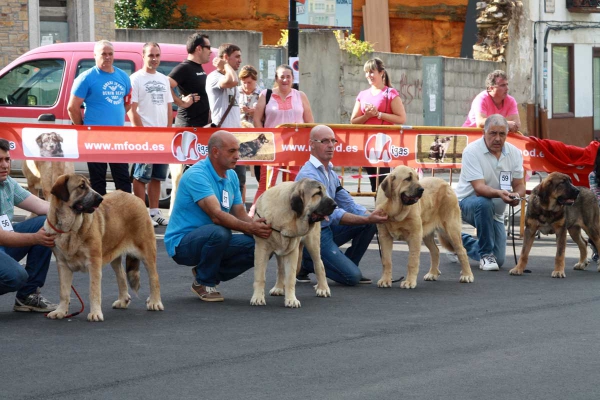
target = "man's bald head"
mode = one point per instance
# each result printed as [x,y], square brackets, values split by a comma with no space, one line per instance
[320,130]
[219,138]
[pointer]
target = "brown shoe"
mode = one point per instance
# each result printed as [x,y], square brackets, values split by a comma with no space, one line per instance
[207,293]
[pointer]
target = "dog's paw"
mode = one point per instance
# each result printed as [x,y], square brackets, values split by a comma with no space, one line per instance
[559,274]
[384,283]
[154,305]
[406,284]
[258,301]
[292,303]
[122,303]
[581,266]
[431,277]
[467,279]
[95,316]
[515,271]
[323,291]
[57,314]
[277,291]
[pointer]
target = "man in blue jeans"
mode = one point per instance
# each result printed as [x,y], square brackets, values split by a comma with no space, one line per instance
[491,177]
[27,238]
[207,208]
[349,221]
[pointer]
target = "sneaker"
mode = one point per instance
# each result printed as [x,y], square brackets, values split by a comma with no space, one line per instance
[154,223]
[302,276]
[159,219]
[207,293]
[34,303]
[365,281]
[488,263]
[452,257]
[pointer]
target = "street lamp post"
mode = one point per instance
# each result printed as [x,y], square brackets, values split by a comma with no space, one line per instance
[293,31]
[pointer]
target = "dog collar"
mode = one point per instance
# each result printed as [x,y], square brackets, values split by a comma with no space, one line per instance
[265,222]
[53,227]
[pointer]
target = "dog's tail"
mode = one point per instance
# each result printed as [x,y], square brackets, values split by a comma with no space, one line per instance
[446,242]
[132,267]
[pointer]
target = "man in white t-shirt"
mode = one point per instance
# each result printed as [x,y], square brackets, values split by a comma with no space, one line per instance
[221,88]
[151,100]
[491,177]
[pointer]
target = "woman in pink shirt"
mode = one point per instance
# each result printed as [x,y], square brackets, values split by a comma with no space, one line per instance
[378,105]
[286,106]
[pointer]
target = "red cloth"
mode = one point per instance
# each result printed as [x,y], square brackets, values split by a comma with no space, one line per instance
[574,161]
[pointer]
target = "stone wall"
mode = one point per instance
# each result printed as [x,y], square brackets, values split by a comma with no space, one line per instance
[104,20]
[248,41]
[463,80]
[332,86]
[14,28]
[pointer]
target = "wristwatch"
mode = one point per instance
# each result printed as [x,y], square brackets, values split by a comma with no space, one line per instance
[379,115]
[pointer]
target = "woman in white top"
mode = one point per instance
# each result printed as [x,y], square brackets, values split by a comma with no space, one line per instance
[286,106]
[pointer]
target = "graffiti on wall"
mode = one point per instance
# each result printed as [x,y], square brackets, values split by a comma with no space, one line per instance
[409,90]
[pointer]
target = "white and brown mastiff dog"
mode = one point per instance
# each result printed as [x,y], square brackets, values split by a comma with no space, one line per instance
[92,231]
[416,211]
[294,210]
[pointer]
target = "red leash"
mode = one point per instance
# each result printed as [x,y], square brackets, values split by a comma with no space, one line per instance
[82,305]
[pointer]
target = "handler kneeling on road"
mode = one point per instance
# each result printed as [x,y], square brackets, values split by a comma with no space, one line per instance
[491,177]
[341,267]
[207,208]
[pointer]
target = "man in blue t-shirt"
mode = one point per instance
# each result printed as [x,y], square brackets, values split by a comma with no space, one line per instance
[105,91]
[208,207]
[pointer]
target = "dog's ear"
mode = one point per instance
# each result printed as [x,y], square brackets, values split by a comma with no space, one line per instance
[60,188]
[386,186]
[544,190]
[60,139]
[39,140]
[297,200]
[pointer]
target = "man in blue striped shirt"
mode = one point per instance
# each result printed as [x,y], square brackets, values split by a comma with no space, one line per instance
[349,221]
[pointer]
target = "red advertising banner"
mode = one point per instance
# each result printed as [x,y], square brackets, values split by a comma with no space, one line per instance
[359,145]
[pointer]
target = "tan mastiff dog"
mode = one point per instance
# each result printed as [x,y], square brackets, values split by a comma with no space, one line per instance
[92,231]
[416,211]
[294,210]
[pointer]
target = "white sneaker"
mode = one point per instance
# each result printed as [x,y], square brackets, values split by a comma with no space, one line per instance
[154,223]
[159,219]
[488,263]
[452,257]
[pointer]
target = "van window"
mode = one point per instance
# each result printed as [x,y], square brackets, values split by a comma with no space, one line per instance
[32,84]
[127,66]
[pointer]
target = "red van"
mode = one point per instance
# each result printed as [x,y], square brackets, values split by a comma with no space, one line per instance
[35,88]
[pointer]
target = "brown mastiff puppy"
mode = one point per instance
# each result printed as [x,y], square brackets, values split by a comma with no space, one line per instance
[556,206]
[92,231]
[294,210]
[416,211]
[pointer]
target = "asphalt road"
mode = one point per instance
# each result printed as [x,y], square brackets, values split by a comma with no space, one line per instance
[501,337]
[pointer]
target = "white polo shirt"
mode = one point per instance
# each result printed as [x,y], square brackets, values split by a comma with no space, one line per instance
[479,163]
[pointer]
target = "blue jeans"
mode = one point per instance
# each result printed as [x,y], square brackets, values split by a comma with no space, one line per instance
[342,267]
[479,212]
[146,172]
[13,276]
[217,254]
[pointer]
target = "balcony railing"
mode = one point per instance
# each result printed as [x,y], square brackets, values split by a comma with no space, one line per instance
[583,6]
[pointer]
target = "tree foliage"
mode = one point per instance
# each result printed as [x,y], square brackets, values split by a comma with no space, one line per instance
[153,14]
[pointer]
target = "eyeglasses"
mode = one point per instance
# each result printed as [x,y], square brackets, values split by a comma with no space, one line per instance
[326,142]
[205,47]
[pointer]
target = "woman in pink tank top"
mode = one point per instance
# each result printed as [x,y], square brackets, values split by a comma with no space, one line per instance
[378,105]
[286,106]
